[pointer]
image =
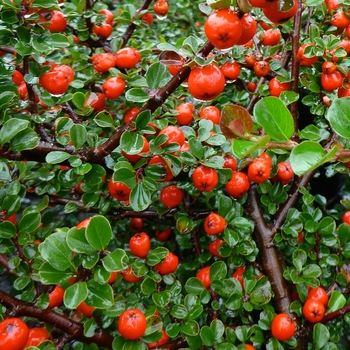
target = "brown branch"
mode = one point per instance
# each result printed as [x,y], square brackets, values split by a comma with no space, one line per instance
[269,254]
[118,214]
[68,109]
[333,315]
[295,67]
[132,26]
[294,195]
[39,153]
[4,261]
[75,330]
[7,49]
[342,154]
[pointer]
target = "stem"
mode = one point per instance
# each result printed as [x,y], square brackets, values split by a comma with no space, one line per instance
[333,315]
[292,200]
[132,26]
[270,257]
[72,328]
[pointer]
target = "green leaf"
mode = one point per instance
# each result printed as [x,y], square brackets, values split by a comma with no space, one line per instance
[136,95]
[58,40]
[218,271]
[140,197]
[24,140]
[207,336]
[78,243]
[6,98]
[196,147]
[56,157]
[29,223]
[194,286]
[104,120]
[75,294]
[336,301]
[272,114]
[78,135]
[327,226]
[56,251]
[98,232]
[148,286]
[131,143]
[155,256]
[338,115]
[320,335]
[115,261]
[155,75]
[242,148]
[7,230]
[154,324]
[126,176]
[190,327]
[100,295]
[311,271]
[179,311]
[262,292]
[50,275]
[162,299]
[218,329]
[308,156]
[11,128]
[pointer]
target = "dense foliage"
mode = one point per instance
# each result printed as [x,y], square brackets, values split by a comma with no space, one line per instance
[174,174]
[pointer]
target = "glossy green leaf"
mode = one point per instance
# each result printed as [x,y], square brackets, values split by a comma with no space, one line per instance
[58,40]
[50,275]
[6,98]
[99,295]
[140,197]
[207,336]
[242,148]
[162,299]
[7,230]
[98,232]
[155,256]
[78,243]
[218,271]
[194,286]
[78,135]
[179,311]
[338,115]
[136,95]
[56,251]
[218,329]
[115,261]
[11,128]
[104,120]
[131,143]
[336,301]
[75,294]
[272,114]
[56,157]
[24,140]
[320,335]
[155,75]
[29,223]
[308,156]
[190,327]
[196,147]
[262,292]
